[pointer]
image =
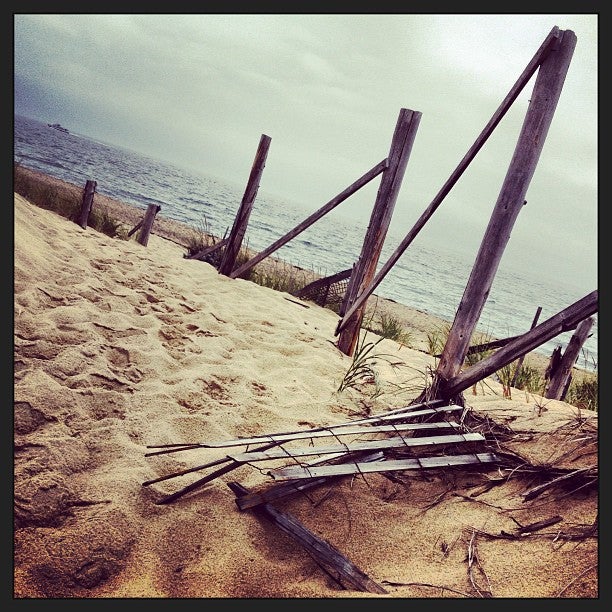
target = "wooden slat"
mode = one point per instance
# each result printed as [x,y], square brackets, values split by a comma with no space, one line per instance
[373,419]
[282,489]
[343,429]
[360,430]
[395,442]
[296,471]
[324,553]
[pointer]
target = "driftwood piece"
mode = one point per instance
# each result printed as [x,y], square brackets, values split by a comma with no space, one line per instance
[527,529]
[391,465]
[536,491]
[324,553]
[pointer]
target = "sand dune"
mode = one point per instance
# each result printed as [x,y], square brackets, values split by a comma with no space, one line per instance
[119,347]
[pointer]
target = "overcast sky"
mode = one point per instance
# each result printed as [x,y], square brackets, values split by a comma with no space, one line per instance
[199,90]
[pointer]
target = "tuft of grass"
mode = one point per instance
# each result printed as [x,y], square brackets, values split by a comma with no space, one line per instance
[282,277]
[529,379]
[202,238]
[390,327]
[362,368]
[436,339]
[584,393]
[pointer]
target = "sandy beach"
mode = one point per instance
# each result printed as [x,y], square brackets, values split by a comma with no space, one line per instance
[120,348]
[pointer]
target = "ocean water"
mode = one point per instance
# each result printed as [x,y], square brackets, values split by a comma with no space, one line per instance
[430,280]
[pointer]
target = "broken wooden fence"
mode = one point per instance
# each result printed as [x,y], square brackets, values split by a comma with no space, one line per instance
[484,135]
[326,291]
[416,437]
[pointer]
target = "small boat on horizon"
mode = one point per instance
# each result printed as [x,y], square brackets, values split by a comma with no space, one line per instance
[57,126]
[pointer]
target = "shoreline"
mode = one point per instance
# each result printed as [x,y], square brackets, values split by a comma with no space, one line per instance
[417,323]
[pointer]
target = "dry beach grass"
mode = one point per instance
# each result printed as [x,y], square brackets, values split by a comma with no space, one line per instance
[120,346]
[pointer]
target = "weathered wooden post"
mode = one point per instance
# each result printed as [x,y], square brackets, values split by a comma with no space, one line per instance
[234,242]
[544,98]
[147,224]
[401,146]
[561,377]
[87,202]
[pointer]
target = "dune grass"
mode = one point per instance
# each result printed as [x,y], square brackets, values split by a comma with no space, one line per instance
[65,200]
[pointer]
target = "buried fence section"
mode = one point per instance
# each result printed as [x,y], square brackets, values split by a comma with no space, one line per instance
[234,241]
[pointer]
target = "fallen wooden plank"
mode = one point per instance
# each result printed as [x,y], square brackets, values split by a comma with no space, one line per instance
[395,442]
[324,553]
[282,489]
[391,465]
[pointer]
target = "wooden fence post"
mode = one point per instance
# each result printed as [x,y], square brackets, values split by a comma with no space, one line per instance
[147,224]
[401,146]
[561,377]
[234,242]
[544,98]
[87,202]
